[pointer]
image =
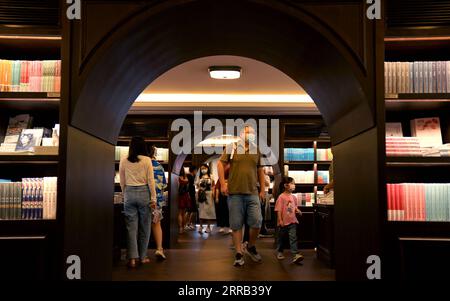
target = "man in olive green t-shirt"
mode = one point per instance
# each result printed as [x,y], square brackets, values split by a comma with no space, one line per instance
[243,195]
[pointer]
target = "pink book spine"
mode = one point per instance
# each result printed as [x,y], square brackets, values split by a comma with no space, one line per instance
[415,203]
[401,202]
[389,201]
[407,202]
[395,201]
[422,204]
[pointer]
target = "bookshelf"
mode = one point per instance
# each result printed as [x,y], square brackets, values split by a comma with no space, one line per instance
[305,134]
[418,171]
[291,139]
[40,234]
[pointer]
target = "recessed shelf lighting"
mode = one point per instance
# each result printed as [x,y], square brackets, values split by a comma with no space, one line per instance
[225,72]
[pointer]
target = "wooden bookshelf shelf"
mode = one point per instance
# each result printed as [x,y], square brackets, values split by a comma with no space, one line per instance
[417,161]
[294,140]
[29,100]
[306,162]
[29,159]
[418,104]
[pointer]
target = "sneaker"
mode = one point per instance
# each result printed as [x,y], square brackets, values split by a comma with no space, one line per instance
[239,260]
[230,231]
[160,254]
[208,229]
[297,258]
[200,229]
[221,230]
[254,255]
[280,256]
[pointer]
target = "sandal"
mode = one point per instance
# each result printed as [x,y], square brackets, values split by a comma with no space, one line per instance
[131,264]
[145,260]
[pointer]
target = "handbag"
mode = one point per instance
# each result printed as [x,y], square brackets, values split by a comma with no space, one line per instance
[202,196]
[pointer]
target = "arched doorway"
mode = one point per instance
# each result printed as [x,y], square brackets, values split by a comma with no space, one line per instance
[110,65]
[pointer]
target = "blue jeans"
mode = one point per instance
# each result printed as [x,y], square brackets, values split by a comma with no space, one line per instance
[291,230]
[138,220]
[244,205]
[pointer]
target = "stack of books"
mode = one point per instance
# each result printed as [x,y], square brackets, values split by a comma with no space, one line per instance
[305,199]
[33,198]
[324,154]
[418,202]
[121,152]
[323,176]
[299,154]
[162,154]
[30,76]
[302,176]
[403,147]
[417,77]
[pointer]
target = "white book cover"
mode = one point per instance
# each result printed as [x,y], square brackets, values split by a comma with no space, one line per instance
[29,138]
[428,130]
[447,69]
[394,129]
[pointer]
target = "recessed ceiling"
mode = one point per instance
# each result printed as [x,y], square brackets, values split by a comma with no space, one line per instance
[262,89]
[193,77]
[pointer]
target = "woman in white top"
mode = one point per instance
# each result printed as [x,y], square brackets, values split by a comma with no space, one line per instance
[138,185]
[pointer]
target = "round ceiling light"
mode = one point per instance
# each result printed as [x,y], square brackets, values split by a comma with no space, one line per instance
[225,72]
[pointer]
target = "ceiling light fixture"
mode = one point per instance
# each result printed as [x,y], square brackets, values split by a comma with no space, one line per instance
[225,72]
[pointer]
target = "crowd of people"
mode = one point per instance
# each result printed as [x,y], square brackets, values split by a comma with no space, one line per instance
[238,201]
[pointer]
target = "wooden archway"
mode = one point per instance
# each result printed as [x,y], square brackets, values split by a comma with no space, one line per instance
[117,49]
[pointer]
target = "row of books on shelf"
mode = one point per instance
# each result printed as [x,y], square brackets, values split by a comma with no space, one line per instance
[307,154]
[426,139]
[20,137]
[324,154]
[306,198]
[30,76]
[308,176]
[162,154]
[417,77]
[30,199]
[418,202]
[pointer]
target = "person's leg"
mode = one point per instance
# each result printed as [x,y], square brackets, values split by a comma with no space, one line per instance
[292,231]
[180,219]
[144,224]
[131,220]
[254,218]
[254,222]
[296,256]
[280,237]
[157,234]
[236,208]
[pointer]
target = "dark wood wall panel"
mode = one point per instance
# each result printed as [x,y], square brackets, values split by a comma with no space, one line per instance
[89,207]
[357,205]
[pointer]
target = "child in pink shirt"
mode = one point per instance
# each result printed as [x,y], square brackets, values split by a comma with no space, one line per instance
[287,208]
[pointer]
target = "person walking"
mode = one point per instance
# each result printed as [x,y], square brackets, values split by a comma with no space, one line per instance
[244,161]
[192,212]
[205,198]
[184,200]
[138,186]
[160,186]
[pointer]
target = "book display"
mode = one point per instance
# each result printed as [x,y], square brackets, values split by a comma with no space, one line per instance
[417,149]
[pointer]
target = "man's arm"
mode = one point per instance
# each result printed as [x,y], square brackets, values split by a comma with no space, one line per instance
[261,177]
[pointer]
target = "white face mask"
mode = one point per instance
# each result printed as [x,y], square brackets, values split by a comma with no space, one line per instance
[291,187]
[204,171]
[251,137]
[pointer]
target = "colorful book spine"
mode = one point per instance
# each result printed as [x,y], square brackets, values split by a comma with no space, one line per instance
[418,202]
